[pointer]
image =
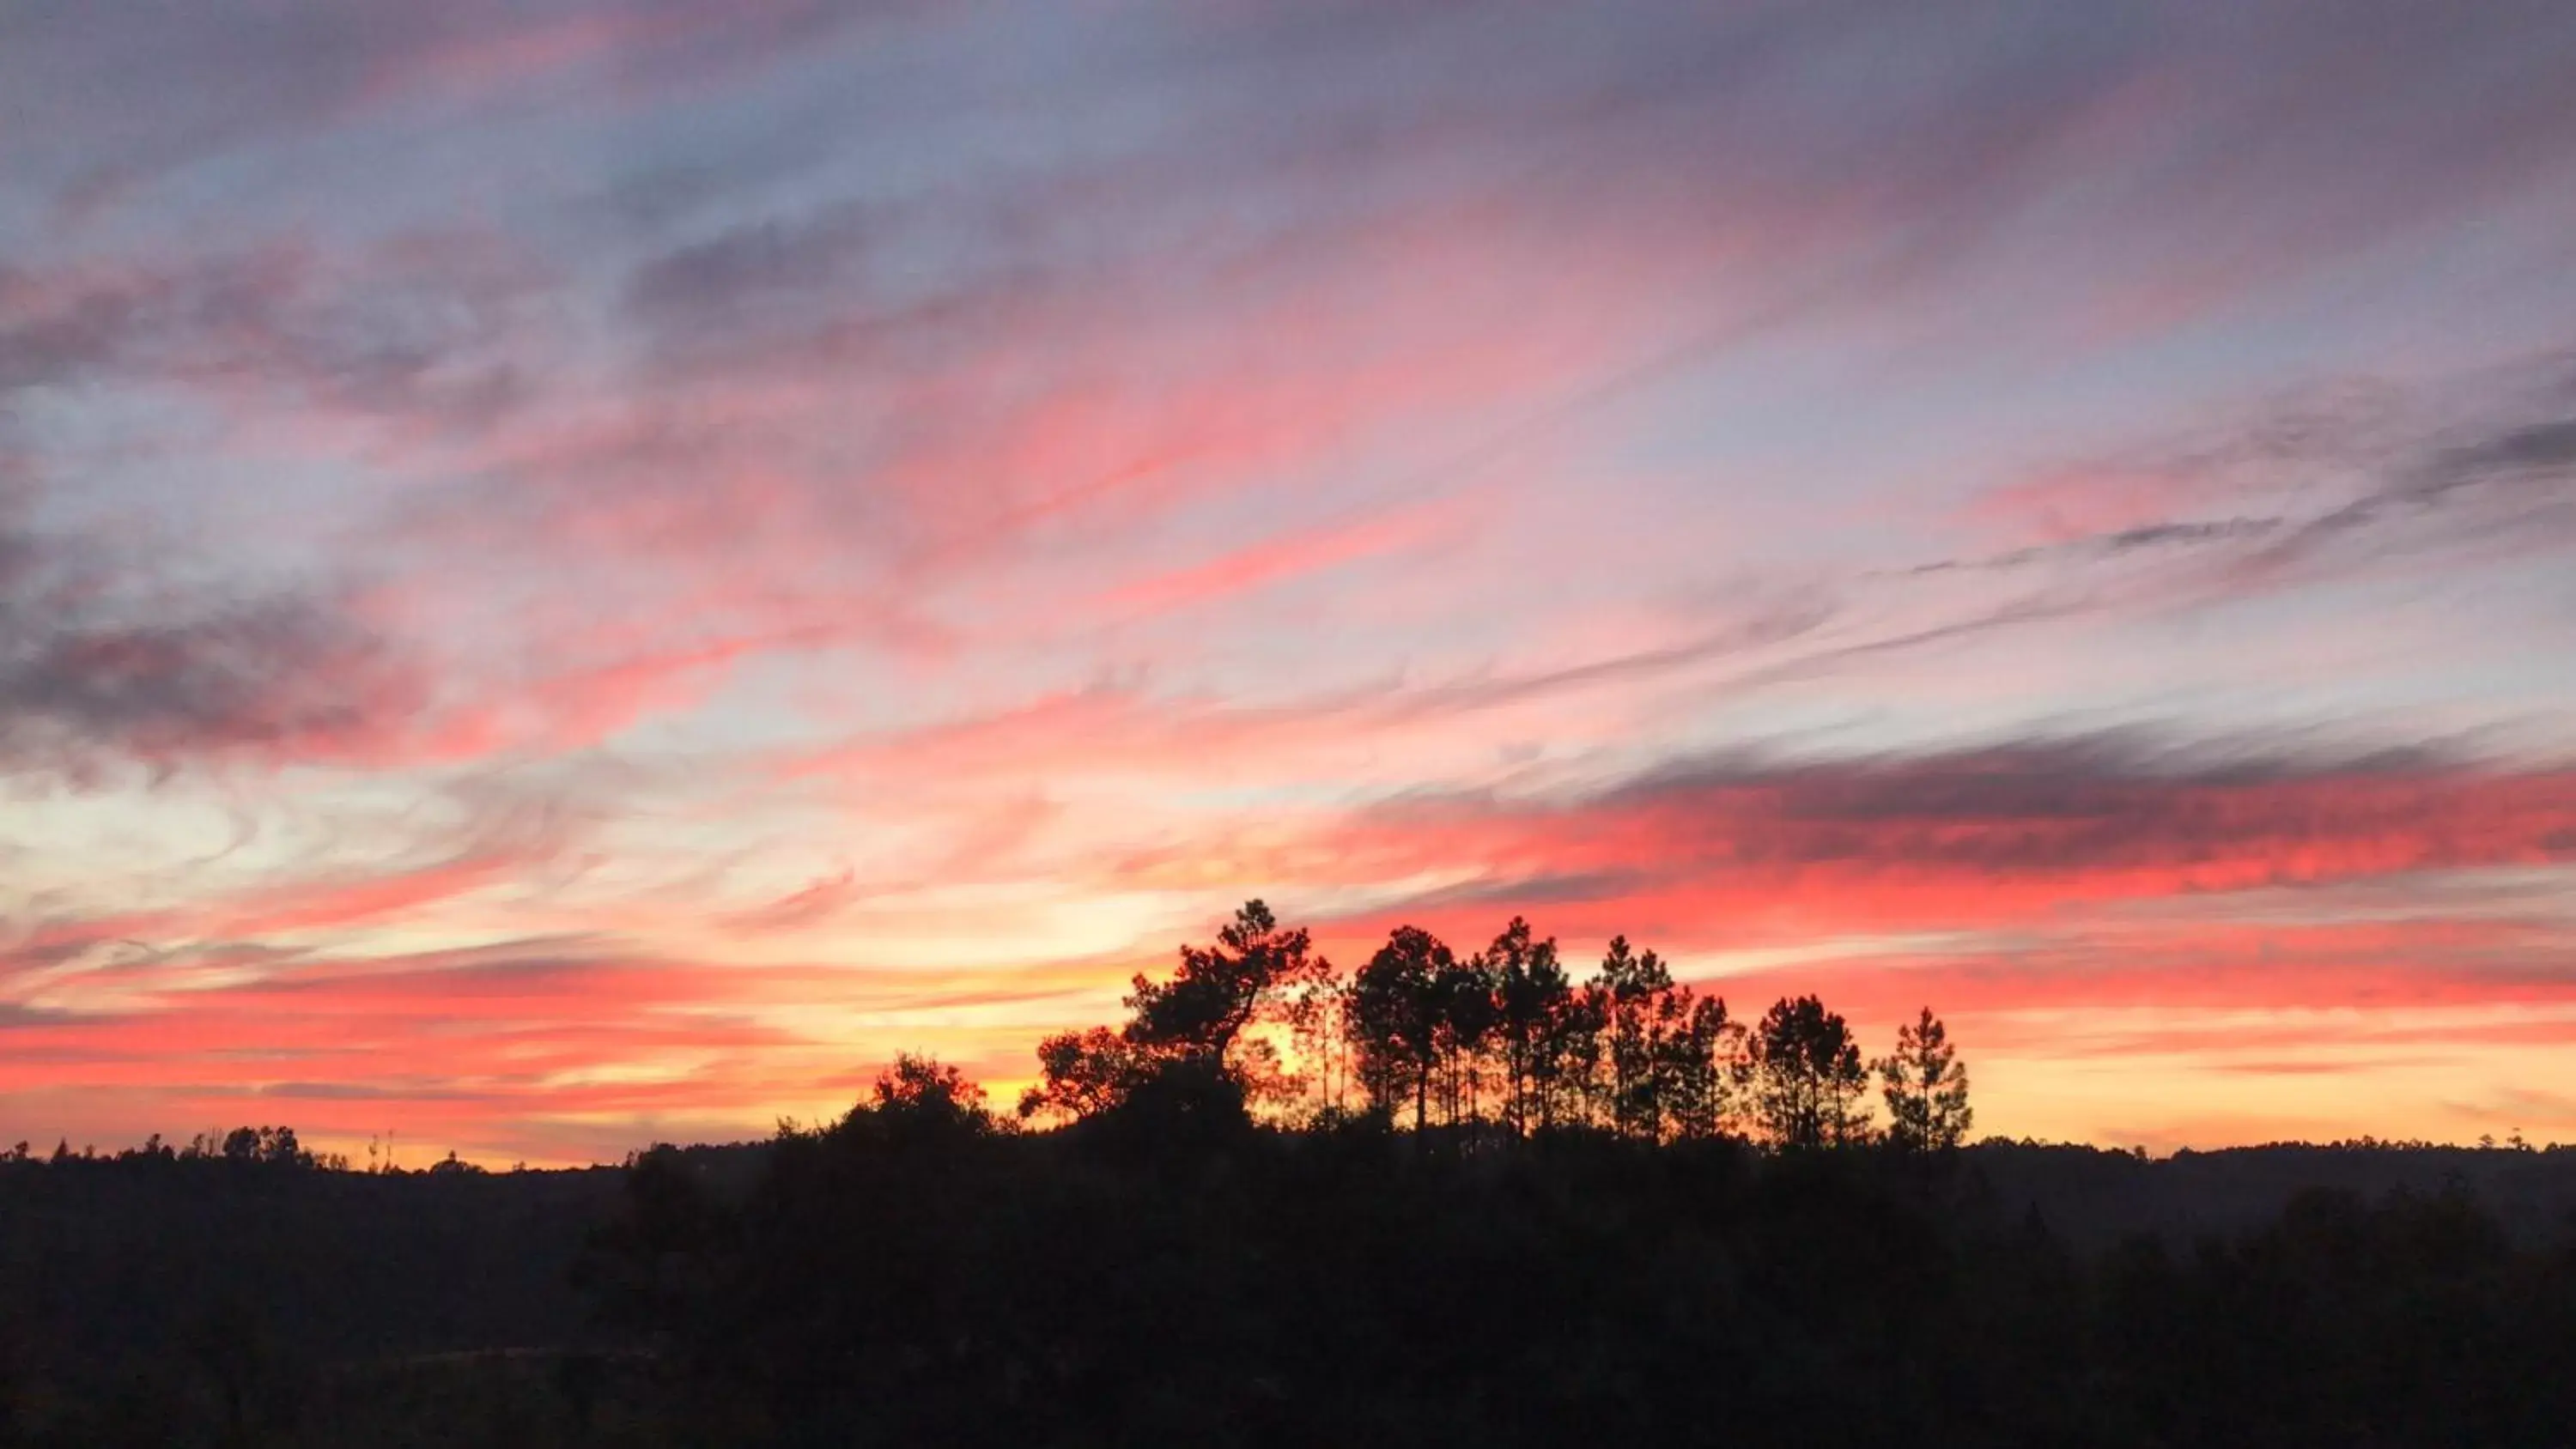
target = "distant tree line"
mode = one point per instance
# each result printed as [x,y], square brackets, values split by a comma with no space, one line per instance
[1504,1038]
[268,1147]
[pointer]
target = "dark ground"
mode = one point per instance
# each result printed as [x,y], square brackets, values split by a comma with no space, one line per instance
[876,1290]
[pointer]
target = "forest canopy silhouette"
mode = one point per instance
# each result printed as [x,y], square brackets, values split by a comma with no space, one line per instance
[1468,1199]
[1503,1038]
[1442,1199]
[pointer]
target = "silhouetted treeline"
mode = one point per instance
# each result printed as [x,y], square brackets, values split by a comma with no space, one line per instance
[266,1147]
[1505,1038]
[1440,1201]
[1169,1271]
[1551,1213]
[146,1305]
[155,1297]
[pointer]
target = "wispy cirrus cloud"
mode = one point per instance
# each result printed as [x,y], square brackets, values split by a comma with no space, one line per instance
[414,330]
[1744,850]
[196,84]
[2485,459]
[97,673]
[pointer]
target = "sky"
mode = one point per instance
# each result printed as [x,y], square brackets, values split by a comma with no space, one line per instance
[580,573]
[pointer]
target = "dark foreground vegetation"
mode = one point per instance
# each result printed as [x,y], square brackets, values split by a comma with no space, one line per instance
[917,1275]
[1210,1251]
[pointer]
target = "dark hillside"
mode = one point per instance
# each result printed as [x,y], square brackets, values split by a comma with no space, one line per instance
[113,1259]
[1177,1268]
[2096,1197]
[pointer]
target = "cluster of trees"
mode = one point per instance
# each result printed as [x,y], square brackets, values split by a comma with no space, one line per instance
[1502,1037]
[263,1147]
[250,1146]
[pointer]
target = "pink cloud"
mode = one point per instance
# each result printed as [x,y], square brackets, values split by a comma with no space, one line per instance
[1292,556]
[1971,841]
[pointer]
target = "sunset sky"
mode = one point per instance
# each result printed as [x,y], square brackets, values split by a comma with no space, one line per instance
[572,574]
